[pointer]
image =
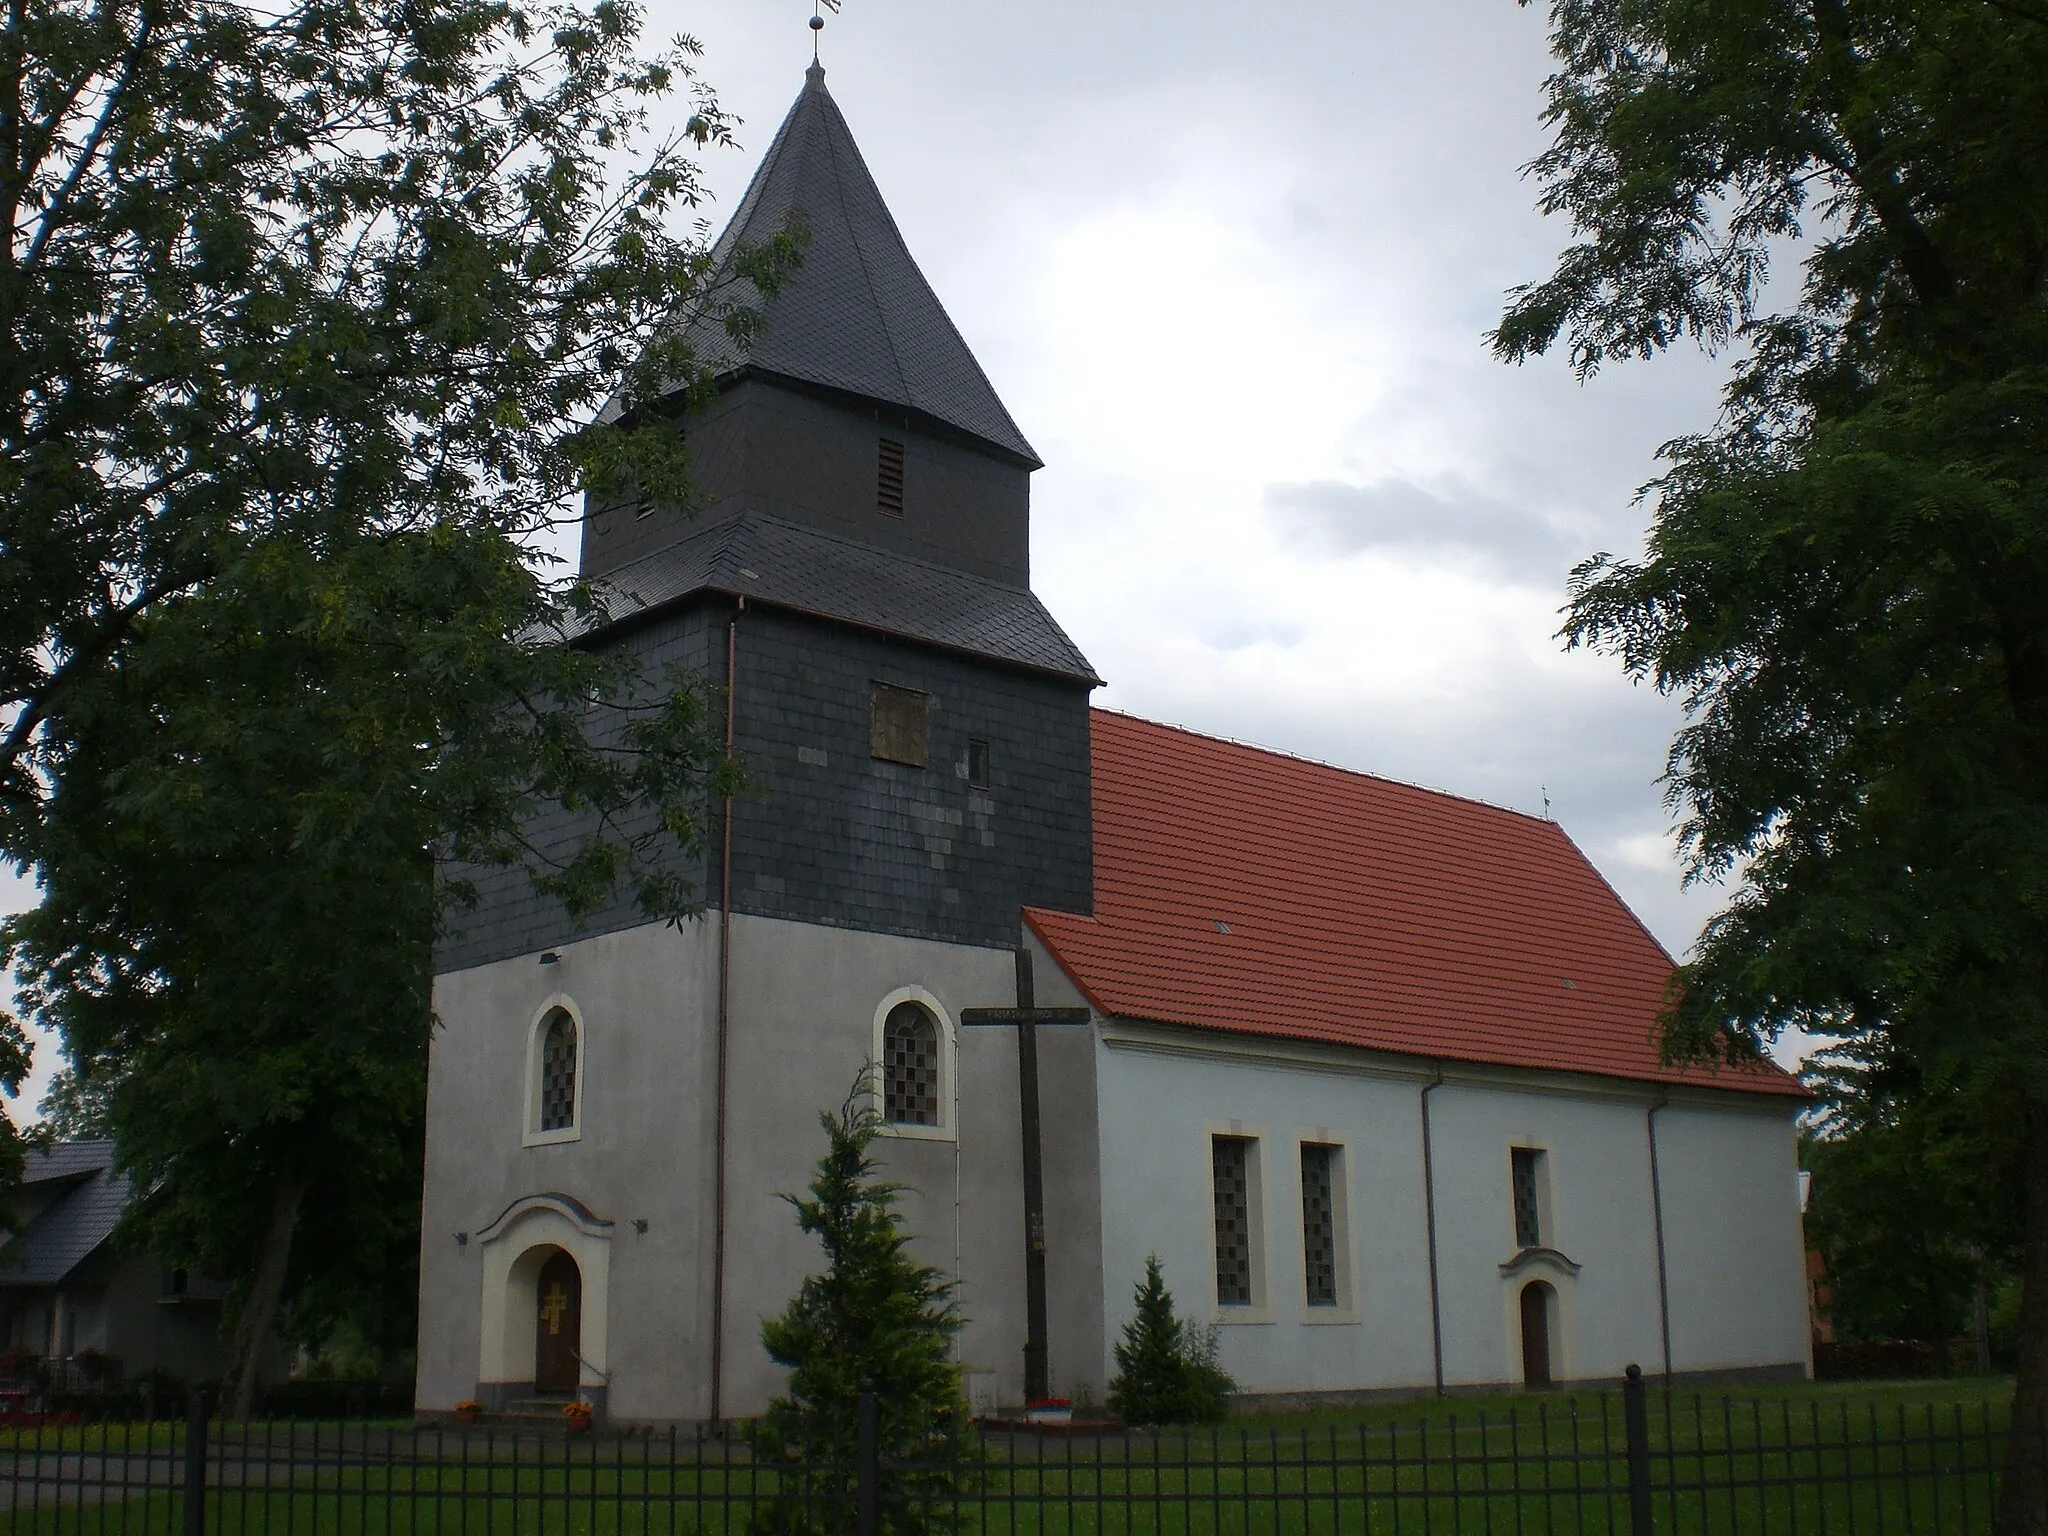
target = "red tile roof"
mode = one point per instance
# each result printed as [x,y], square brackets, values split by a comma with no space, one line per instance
[1243,890]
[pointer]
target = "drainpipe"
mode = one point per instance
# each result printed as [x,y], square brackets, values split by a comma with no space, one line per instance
[732,652]
[1657,1220]
[1436,1316]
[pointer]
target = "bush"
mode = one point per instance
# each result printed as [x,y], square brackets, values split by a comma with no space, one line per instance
[1857,1360]
[877,1317]
[1166,1369]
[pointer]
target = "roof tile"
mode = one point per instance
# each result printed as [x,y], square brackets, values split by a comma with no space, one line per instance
[1245,890]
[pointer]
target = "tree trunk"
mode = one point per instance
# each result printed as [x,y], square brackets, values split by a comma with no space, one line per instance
[2023,1502]
[266,1290]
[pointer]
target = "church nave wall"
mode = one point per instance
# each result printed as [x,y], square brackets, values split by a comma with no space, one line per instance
[1730,1215]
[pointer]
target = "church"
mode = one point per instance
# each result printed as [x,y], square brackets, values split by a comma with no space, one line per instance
[1371,1068]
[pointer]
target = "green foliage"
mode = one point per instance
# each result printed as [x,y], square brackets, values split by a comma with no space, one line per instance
[306,329]
[240,893]
[1166,1370]
[876,1316]
[1843,580]
[1916,1201]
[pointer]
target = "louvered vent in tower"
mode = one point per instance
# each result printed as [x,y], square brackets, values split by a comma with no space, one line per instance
[889,478]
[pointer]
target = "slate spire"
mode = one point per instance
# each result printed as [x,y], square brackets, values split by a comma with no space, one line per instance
[857,315]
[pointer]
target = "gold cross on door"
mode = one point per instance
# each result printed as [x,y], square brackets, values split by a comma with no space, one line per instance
[555,1308]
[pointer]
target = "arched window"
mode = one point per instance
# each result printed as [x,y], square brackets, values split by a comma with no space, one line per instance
[910,1066]
[558,1072]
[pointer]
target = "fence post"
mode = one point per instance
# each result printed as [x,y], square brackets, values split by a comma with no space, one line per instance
[1635,1423]
[196,1410]
[866,1454]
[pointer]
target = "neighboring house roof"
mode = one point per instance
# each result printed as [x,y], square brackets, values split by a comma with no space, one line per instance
[857,314]
[66,1160]
[73,1225]
[1240,889]
[767,560]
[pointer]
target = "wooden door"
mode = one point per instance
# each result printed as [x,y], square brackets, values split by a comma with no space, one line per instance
[558,1326]
[1536,1336]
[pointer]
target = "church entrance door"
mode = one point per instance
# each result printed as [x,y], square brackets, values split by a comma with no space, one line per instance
[558,1327]
[1536,1336]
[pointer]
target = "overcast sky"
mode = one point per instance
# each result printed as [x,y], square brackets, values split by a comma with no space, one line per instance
[1231,269]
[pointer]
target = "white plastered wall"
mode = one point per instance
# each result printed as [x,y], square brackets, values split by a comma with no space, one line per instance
[1729,1192]
[805,1004]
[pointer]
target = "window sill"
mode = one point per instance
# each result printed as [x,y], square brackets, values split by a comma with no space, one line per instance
[1228,1316]
[1326,1317]
[552,1138]
[911,1132]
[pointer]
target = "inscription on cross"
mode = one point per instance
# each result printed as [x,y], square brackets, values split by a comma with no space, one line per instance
[1025,1018]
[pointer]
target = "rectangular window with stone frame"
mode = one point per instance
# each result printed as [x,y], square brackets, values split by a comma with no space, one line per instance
[1231,1178]
[1319,1185]
[1525,1169]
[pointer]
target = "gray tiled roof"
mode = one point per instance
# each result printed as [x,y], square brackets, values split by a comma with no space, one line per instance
[65,1232]
[66,1159]
[771,561]
[857,314]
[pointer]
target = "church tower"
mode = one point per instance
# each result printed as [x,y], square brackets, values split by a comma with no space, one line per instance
[614,1106]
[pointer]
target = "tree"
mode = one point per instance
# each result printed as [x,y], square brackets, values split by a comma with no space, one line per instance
[307,321]
[1916,1207]
[1842,580]
[1166,1371]
[240,889]
[275,268]
[876,1317]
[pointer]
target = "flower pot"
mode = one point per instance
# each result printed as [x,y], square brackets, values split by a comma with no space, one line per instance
[468,1413]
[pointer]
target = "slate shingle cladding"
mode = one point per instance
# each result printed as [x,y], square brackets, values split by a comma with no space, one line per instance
[853,348]
[835,836]
[845,839]
[857,315]
[767,560]
[509,918]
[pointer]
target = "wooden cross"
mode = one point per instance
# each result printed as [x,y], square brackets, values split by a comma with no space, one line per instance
[555,1308]
[1026,1017]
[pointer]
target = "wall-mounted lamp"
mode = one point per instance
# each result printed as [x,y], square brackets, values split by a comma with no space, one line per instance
[549,957]
[462,1239]
[640,1224]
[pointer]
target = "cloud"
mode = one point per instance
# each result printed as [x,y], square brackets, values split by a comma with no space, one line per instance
[1332,517]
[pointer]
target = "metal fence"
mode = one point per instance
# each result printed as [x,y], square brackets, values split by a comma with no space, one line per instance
[1636,1462]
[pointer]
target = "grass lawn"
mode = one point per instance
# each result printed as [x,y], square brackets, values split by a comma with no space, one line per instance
[1876,1457]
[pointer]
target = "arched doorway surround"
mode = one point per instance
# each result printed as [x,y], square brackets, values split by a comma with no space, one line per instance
[1536,1303]
[517,1247]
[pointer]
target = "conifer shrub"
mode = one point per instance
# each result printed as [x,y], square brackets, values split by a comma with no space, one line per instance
[875,1316]
[1166,1368]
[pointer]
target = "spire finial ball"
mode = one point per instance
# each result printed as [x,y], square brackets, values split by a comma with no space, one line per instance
[817,23]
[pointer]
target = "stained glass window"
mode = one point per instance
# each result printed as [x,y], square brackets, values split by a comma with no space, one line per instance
[1524,1163]
[558,1073]
[1319,1223]
[1231,1163]
[910,1066]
